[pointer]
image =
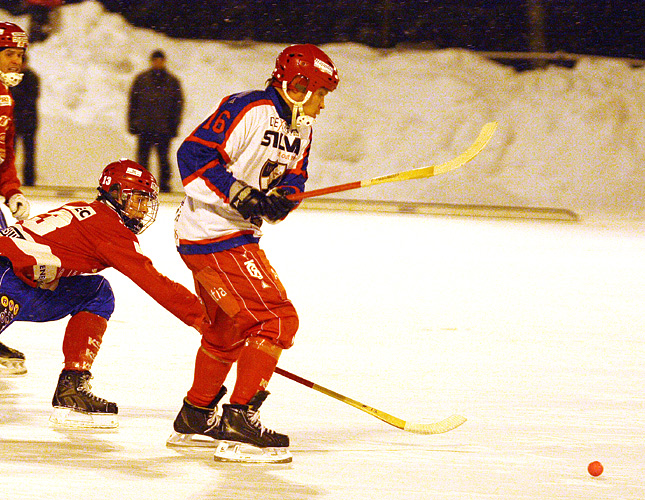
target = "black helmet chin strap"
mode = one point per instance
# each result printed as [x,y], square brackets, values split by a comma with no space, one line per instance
[134,225]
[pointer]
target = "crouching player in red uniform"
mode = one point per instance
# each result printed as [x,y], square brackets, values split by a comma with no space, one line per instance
[238,167]
[47,266]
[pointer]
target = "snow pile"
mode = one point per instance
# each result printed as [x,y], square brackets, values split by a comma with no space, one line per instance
[569,138]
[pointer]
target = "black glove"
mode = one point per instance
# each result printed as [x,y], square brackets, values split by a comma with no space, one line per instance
[276,205]
[246,199]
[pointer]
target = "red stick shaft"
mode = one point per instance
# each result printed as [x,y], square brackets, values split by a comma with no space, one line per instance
[293,377]
[327,190]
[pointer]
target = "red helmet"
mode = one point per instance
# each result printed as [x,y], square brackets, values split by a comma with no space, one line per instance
[310,63]
[12,36]
[122,179]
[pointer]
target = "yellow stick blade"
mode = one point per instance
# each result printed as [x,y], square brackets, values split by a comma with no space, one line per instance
[444,425]
[475,148]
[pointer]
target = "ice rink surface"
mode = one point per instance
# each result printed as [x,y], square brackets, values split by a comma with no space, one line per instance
[533,330]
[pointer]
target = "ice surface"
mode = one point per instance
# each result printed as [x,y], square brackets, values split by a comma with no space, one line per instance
[532,330]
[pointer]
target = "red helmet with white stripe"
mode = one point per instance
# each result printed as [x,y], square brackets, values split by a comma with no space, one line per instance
[132,191]
[12,36]
[305,68]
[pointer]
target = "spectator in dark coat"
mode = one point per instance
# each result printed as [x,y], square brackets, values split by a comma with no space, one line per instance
[40,25]
[25,115]
[154,114]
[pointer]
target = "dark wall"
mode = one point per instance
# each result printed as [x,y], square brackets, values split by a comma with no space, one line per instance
[379,23]
[602,27]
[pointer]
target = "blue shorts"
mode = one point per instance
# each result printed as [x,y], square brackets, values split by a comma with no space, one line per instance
[20,302]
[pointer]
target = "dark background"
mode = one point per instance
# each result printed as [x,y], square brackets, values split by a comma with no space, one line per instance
[610,28]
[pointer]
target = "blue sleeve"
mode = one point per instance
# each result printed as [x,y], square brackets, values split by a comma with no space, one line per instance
[202,153]
[198,160]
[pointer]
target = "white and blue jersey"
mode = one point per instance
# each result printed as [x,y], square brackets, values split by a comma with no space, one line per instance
[247,138]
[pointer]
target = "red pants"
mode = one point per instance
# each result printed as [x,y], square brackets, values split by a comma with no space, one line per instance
[252,320]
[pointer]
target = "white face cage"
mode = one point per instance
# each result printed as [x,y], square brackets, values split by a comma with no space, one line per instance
[139,209]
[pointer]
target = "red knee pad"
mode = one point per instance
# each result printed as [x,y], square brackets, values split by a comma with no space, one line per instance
[288,329]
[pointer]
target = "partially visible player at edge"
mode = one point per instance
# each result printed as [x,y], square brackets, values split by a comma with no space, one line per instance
[238,167]
[13,44]
[47,272]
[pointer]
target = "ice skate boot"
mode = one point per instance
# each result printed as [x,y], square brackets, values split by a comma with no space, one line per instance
[196,426]
[243,438]
[12,362]
[76,406]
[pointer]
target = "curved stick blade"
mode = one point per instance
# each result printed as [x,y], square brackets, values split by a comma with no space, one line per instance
[440,427]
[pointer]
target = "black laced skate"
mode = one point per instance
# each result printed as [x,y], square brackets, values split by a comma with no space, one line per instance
[243,438]
[12,361]
[192,422]
[242,423]
[76,406]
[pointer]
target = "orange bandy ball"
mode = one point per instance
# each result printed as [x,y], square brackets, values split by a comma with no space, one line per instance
[595,469]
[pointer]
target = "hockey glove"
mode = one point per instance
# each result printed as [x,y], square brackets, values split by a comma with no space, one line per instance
[19,206]
[277,206]
[246,199]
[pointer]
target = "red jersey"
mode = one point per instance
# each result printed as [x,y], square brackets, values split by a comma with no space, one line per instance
[9,183]
[80,238]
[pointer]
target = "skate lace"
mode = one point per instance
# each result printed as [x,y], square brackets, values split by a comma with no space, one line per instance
[254,420]
[85,388]
[212,418]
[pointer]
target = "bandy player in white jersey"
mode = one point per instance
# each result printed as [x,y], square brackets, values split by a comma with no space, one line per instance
[238,167]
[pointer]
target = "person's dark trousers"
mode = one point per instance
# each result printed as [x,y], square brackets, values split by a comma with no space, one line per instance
[162,144]
[29,146]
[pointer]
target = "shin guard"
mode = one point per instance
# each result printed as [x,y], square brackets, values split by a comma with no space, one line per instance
[255,367]
[210,374]
[82,340]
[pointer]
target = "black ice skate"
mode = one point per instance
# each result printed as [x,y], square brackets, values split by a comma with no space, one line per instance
[12,362]
[196,426]
[76,406]
[245,439]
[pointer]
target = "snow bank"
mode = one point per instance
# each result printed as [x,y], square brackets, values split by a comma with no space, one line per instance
[567,138]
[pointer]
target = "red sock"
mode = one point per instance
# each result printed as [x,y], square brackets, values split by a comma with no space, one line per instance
[210,374]
[82,340]
[254,369]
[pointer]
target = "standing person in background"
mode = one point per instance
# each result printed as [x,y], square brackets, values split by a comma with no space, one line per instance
[238,167]
[25,113]
[40,12]
[13,44]
[154,113]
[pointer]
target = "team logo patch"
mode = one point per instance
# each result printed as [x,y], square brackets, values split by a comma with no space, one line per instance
[5,100]
[323,66]
[12,232]
[8,311]
[20,39]
[252,269]
[133,171]
[271,173]
[82,212]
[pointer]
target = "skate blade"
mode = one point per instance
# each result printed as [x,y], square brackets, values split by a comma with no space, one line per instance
[12,368]
[232,451]
[179,440]
[74,419]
